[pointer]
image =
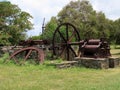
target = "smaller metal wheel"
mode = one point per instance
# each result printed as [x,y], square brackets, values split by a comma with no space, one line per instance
[28,54]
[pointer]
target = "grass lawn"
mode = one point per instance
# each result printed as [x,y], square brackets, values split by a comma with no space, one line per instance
[47,77]
[115,52]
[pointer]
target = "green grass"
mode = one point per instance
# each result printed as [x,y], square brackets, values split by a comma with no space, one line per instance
[115,52]
[43,77]
[47,77]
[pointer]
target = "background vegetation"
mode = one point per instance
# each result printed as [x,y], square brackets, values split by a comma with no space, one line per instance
[13,23]
[90,23]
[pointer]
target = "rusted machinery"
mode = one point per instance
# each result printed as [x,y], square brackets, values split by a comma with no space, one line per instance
[95,48]
[33,42]
[31,49]
[67,44]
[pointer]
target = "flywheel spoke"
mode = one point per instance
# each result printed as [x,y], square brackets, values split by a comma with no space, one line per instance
[28,54]
[62,36]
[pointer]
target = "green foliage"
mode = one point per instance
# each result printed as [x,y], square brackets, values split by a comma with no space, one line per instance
[117,31]
[13,23]
[35,38]
[4,58]
[90,24]
[49,29]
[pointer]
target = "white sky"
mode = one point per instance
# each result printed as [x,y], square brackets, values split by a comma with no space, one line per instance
[48,8]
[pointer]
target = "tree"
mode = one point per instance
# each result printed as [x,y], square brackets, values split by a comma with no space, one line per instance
[49,29]
[14,23]
[91,24]
[78,13]
[102,25]
[117,31]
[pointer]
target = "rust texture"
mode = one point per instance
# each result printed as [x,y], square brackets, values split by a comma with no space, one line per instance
[66,44]
[96,48]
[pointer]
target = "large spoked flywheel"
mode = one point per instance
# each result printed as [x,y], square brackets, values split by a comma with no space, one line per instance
[64,41]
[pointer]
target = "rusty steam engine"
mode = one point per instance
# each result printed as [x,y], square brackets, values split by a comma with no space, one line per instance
[66,43]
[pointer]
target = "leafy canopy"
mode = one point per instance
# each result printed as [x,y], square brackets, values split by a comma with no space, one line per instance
[90,24]
[13,23]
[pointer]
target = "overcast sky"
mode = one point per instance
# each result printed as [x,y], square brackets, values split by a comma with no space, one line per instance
[40,9]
